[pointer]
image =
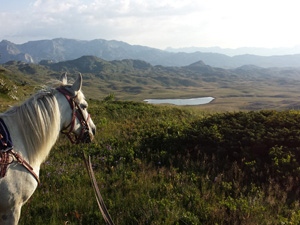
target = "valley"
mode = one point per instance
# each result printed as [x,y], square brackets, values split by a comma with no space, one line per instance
[170,164]
[244,88]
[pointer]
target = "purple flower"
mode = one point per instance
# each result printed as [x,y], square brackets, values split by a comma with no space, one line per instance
[108,147]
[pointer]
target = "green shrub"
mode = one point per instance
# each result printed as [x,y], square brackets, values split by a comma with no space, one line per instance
[165,165]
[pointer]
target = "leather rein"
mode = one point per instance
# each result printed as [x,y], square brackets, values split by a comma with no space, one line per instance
[76,112]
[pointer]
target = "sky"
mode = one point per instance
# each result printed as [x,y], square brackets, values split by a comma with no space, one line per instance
[155,23]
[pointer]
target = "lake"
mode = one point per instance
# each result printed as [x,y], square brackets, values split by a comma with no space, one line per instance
[188,101]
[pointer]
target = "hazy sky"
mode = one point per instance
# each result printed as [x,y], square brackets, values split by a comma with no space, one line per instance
[155,23]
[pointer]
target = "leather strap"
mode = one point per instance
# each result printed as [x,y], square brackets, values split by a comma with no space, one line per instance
[71,102]
[24,163]
[6,146]
[101,204]
[76,112]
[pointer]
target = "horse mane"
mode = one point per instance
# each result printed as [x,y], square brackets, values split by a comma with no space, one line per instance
[38,120]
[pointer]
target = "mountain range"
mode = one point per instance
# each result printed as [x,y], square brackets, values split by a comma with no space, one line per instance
[61,49]
[247,87]
[240,51]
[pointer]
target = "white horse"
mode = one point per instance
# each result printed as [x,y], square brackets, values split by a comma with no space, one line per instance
[34,127]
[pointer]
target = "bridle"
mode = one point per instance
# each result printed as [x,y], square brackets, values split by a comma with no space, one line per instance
[76,112]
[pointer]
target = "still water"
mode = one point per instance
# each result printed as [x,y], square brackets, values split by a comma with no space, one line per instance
[189,101]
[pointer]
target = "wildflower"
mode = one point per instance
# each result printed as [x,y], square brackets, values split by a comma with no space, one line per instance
[108,147]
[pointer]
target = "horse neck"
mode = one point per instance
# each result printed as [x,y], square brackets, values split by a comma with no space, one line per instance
[34,128]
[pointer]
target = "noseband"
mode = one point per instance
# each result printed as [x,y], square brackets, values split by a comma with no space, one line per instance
[76,112]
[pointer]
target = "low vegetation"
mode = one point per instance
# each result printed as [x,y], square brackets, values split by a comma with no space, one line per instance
[165,165]
[244,88]
[170,165]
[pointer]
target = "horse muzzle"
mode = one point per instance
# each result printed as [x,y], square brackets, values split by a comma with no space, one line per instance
[88,136]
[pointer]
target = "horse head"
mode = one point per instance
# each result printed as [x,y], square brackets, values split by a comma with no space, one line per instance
[75,118]
[34,127]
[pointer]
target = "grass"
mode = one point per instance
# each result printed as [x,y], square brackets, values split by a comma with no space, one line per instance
[166,165]
[177,165]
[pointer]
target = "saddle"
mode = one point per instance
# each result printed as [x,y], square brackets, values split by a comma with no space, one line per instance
[6,146]
[8,155]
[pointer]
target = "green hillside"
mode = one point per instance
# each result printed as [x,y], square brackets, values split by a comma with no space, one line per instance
[163,164]
[245,88]
[14,87]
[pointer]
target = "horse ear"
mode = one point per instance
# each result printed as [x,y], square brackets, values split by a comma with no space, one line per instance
[64,79]
[77,84]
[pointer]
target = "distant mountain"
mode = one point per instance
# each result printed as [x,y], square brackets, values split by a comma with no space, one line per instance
[247,87]
[140,70]
[95,65]
[60,49]
[200,66]
[239,51]
[129,71]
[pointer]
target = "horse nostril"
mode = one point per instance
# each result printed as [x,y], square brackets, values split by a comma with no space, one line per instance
[94,131]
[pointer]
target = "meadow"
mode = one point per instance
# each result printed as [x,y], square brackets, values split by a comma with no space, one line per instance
[168,165]
[213,164]
[245,88]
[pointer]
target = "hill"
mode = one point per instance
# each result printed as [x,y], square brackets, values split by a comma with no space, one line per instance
[244,88]
[170,165]
[165,165]
[60,49]
[14,87]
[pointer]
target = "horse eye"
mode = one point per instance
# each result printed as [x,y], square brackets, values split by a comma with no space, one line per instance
[83,106]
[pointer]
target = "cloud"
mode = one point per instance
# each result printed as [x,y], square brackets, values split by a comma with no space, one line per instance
[53,6]
[157,23]
[134,21]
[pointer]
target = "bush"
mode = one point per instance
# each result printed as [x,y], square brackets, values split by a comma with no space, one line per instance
[164,165]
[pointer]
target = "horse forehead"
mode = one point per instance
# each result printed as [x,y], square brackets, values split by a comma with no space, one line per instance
[80,97]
